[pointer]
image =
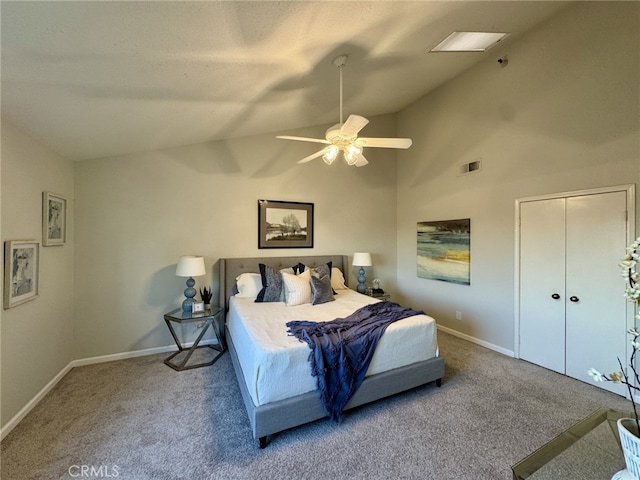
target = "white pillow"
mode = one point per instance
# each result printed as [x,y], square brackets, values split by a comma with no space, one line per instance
[337,279]
[297,288]
[249,285]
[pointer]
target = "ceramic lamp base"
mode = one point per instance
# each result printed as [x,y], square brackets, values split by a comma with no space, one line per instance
[361,286]
[189,292]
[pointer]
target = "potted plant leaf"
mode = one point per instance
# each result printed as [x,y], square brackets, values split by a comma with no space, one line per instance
[205,294]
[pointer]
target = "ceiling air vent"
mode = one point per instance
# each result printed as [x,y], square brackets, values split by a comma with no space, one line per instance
[470,167]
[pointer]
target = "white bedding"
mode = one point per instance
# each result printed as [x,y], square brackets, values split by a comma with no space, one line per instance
[276,366]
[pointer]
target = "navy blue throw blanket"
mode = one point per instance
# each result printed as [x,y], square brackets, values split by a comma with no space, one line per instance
[342,349]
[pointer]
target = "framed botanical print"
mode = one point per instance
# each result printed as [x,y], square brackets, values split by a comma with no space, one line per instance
[21,271]
[54,219]
[285,224]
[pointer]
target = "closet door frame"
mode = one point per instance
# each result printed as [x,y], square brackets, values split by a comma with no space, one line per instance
[631,215]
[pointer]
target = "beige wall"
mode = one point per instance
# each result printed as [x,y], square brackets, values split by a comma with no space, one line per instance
[36,337]
[562,116]
[137,214]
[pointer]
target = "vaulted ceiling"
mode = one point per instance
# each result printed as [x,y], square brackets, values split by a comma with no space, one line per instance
[99,78]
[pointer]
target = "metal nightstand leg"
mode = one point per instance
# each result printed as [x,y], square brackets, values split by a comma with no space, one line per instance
[220,348]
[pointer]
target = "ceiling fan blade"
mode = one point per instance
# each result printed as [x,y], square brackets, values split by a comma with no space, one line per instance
[385,142]
[312,156]
[303,139]
[361,161]
[353,125]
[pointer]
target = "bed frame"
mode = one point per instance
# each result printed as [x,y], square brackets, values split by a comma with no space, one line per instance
[291,412]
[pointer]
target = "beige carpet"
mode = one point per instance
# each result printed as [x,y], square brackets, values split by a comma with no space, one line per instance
[139,419]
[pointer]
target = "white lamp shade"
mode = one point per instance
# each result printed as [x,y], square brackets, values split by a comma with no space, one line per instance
[362,259]
[190,266]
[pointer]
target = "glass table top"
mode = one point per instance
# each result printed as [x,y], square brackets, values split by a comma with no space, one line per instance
[590,449]
[178,315]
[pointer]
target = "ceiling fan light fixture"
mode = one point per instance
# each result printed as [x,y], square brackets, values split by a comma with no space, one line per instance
[469,42]
[351,153]
[330,154]
[343,136]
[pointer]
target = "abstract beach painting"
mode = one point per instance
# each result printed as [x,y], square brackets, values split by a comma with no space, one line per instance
[444,251]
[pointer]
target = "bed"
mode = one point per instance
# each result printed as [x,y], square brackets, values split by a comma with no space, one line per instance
[272,369]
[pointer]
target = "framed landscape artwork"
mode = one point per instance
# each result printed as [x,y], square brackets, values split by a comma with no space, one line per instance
[285,224]
[21,264]
[444,250]
[54,219]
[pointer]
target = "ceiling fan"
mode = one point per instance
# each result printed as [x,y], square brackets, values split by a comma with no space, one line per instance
[343,136]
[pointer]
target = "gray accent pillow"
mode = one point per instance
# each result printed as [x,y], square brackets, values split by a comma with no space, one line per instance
[272,288]
[321,291]
[322,270]
[319,271]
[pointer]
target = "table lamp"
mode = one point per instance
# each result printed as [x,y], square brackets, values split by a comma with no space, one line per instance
[361,259]
[190,266]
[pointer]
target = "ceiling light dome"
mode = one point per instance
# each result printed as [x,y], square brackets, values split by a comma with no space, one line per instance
[330,154]
[351,153]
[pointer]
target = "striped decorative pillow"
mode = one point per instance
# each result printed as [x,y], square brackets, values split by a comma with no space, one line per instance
[297,288]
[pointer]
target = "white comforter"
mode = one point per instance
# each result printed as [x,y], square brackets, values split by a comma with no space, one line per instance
[275,365]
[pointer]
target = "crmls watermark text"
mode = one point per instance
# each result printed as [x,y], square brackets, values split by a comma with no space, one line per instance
[92,471]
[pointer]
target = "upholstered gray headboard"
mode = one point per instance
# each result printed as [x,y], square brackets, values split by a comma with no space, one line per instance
[230,268]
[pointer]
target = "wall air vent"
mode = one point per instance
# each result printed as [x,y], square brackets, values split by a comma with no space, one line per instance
[469,167]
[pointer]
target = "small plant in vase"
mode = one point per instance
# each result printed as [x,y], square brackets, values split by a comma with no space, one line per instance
[629,428]
[205,294]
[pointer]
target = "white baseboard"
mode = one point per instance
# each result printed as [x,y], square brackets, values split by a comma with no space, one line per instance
[477,341]
[11,424]
[121,356]
[137,353]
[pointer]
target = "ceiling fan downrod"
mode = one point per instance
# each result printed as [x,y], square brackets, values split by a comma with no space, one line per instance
[340,61]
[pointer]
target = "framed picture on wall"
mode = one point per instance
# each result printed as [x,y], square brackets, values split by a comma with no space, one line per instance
[21,271]
[444,250]
[285,224]
[54,219]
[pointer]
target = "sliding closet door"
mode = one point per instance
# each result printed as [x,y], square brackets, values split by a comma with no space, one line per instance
[542,277]
[595,307]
